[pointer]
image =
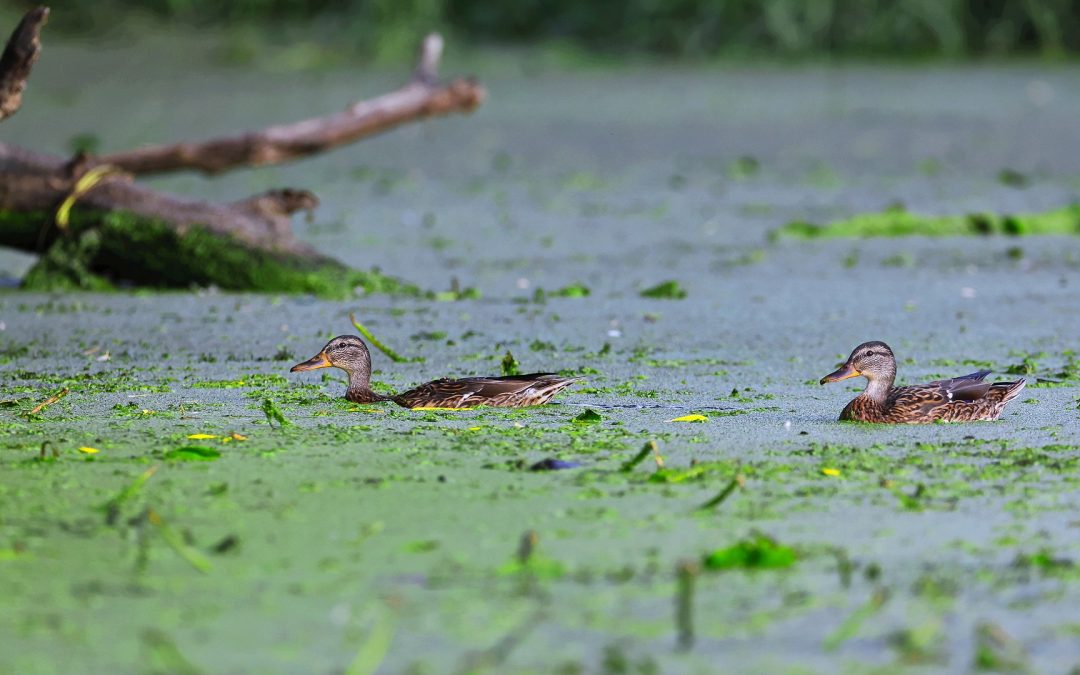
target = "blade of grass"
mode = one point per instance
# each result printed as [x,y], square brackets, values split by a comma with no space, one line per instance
[394,356]
[176,542]
[737,482]
[112,507]
[373,650]
[649,448]
[164,655]
[850,626]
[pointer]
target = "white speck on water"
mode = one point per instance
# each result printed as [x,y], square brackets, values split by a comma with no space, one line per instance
[522,283]
[967,292]
[787,425]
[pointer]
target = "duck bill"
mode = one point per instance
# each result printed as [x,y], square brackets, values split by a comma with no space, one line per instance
[844,372]
[320,360]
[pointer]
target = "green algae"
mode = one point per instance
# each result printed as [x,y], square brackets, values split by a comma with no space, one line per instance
[151,253]
[899,222]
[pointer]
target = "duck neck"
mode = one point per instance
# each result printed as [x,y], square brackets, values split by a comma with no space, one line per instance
[359,390]
[878,387]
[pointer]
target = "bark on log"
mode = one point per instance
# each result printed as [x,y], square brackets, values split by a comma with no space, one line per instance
[421,97]
[19,56]
[123,231]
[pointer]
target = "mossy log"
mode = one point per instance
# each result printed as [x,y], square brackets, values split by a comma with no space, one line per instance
[103,248]
[94,227]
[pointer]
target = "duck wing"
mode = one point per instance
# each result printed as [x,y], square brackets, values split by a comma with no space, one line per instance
[964,388]
[469,392]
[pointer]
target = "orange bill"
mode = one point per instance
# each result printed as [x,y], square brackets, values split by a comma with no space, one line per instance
[320,360]
[844,372]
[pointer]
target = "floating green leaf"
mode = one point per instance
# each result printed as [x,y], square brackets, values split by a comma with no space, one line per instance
[757,552]
[590,416]
[571,291]
[193,453]
[668,290]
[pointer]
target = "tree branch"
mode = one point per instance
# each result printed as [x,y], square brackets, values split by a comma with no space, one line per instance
[19,56]
[423,96]
[89,229]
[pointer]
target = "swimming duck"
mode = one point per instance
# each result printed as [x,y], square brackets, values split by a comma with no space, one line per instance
[350,354]
[961,399]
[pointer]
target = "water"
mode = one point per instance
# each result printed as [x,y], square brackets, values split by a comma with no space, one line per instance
[362,528]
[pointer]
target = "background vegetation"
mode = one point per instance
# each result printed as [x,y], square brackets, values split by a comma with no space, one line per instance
[685,28]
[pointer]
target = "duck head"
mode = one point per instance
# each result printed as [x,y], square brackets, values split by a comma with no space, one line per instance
[872,360]
[346,352]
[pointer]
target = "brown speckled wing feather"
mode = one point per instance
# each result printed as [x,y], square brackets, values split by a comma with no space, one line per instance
[959,399]
[510,391]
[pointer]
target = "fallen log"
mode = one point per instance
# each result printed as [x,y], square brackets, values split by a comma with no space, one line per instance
[94,226]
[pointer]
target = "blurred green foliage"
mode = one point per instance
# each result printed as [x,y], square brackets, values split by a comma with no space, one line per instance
[695,28]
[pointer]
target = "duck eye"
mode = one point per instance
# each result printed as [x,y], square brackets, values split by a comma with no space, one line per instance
[870,353]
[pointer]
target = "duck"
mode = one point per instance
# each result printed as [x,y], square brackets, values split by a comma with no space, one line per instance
[966,398]
[349,353]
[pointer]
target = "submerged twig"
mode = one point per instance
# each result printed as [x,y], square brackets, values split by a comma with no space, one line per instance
[529,540]
[686,574]
[48,445]
[49,401]
[394,356]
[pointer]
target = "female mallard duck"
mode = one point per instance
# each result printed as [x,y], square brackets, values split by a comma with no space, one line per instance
[961,399]
[350,354]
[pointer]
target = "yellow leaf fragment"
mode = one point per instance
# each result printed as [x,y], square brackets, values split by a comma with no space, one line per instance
[829,471]
[85,183]
[201,437]
[690,418]
[87,450]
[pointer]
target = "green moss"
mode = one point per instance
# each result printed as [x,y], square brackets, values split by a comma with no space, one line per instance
[898,222]
[147,252]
